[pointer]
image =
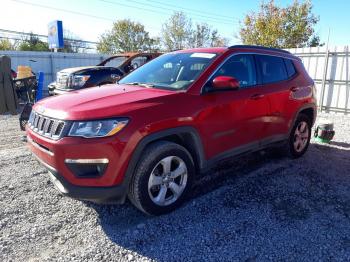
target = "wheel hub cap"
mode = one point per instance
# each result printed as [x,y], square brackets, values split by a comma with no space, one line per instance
[301,136]
[167,181]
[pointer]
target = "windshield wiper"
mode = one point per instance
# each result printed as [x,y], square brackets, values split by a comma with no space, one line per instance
[140,84]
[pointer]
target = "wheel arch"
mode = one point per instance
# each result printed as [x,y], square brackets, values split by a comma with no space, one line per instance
[186,136]
[308,109]
[310,112]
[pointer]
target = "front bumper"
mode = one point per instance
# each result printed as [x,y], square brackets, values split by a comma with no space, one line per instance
[115,194]
[110,185]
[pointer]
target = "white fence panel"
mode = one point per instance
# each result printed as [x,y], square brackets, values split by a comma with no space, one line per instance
[51,63]
[336,95]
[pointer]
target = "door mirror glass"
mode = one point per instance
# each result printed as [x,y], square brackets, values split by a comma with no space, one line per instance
[225,82]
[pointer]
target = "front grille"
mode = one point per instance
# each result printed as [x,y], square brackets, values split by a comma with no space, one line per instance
[45,126]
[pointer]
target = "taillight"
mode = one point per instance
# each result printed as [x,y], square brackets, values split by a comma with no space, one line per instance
[314,91]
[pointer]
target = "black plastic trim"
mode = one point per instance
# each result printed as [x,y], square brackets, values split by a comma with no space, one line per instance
[260,47]
[305,106]
[159,135]
[116,194]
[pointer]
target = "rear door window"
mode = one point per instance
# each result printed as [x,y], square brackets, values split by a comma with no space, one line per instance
[272,68]
[115,62]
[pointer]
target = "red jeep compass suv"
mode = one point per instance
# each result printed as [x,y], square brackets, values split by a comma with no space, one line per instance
[146,137]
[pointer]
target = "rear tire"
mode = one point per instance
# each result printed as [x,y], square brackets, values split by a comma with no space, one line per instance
[162,179]
[299,138]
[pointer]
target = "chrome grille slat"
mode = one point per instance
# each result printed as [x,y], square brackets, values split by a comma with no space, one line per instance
[40,124]
[36,120]
[54,127]
[45,126]
[59,128]
[50,127]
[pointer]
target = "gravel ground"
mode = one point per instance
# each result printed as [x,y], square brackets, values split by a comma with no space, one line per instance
[255,208]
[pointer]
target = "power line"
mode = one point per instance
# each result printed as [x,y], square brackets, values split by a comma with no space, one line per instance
[158,12]
[100,17]
[194,10]
[14,35]
[72,45]
[44,36]
[69,11]
[63,10]
[216,18]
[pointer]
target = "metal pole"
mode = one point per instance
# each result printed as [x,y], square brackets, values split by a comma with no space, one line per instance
[325,69]
[347,86]
[52,69]
[39,94]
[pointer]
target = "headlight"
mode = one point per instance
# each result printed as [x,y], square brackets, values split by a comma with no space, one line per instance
[79,80]
[98,128]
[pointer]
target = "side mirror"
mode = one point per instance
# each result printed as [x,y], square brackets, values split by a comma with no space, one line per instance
[225,82]
[115,77]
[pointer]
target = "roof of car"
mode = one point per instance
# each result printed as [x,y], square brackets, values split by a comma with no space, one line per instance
[224,49]
[203,50]
[260,48]
[130,54]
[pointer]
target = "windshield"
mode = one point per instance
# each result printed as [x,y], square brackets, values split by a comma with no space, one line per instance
[175,71]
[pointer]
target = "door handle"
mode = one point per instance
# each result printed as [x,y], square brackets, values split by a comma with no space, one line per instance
[256,96]
[294,89]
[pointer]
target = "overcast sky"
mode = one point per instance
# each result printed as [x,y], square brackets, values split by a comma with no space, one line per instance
[90,18]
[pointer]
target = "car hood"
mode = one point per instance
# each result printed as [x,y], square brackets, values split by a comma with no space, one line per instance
[101,102]
[78,69]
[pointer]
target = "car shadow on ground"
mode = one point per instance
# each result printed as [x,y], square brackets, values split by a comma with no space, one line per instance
[231,203]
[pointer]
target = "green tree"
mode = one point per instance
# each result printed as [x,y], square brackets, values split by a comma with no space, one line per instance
[6,44]
[125,36]
[205,36]
[289,27]
[177,32]
[201,35]
[217,40]
[153,45]
[33,43]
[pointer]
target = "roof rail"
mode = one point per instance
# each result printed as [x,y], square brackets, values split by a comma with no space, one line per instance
[260,47]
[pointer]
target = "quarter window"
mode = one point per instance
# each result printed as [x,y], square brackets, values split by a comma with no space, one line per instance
[241,67]
[290,67]
[272,68]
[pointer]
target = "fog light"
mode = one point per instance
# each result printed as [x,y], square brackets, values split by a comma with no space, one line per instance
[87,168]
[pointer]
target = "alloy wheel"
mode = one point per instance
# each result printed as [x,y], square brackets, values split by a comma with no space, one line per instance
[167,181]
[301,136]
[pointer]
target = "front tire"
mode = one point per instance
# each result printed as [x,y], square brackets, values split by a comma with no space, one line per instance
[162,179]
